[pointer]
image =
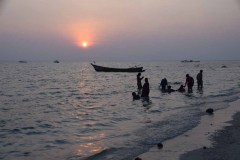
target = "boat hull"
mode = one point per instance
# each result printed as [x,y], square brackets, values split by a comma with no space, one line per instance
[107,69]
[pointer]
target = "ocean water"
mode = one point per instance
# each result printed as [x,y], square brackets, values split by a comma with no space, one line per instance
[69,111]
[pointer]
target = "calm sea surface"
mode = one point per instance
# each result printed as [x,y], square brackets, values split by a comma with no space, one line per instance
[69,111]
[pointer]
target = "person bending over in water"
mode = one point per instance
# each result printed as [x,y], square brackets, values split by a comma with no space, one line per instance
[189,82]
[181,89]
[145,90]
[163,83]
[135,96]
[139,83]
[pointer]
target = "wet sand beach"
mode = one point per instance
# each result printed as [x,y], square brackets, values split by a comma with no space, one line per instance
[226,144]
[216,137]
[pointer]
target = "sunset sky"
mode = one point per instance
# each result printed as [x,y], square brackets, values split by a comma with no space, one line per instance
[108,30]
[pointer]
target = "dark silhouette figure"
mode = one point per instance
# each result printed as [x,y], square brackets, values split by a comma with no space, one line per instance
[164,83]
[210,110]
[181,89]
[139,83]
[135,96]
[189,82]
[145,90]
[169,90]
[160,145]
[200,79]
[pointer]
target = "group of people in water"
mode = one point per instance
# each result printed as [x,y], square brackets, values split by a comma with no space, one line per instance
[144,90]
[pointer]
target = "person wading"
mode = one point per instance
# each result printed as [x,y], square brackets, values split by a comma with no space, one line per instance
[139,83]
[200,79]
[145,90]
[189,82]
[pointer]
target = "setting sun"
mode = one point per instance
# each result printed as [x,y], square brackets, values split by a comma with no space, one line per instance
[84,44]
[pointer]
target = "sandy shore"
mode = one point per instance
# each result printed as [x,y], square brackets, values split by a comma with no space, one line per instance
[226,144]
[218,133]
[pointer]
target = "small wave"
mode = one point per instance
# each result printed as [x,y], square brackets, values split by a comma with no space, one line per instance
[25,100]
[49,146]
[2,135]
[61,142]
[57,92]
[16,130]
[74,157]
[8,144]
[2,122]
[120,119]
[42,93]
[113,92]
[73,90]
[103,154]
[46,126]
[5,109]
[34,133]
[25,128]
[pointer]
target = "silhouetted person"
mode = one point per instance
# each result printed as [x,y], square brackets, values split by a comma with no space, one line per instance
[181,89]
[163,83]
[145,90]
[139,83]
[135,96]
[189,82]
[169,89]
[200,79]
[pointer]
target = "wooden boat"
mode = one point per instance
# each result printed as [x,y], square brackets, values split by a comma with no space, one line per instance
[108,69]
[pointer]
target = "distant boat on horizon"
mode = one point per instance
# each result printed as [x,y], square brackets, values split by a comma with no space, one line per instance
[56,61]
[223,66]
[22,61]
[189,61]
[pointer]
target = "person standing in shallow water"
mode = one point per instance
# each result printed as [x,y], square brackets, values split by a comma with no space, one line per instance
[145,90]
[189,82]
[200,79]
[139,83]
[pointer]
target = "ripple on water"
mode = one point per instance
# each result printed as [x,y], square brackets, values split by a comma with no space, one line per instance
[25,128]
[46,126]
[8,144]
[16,131]
[3,135]
[35,133]
[42,93]
[61,141]
[50,146]
[25,100]
[57,92]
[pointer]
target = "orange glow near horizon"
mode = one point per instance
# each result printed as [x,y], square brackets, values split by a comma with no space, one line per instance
[83,34]
[84,44]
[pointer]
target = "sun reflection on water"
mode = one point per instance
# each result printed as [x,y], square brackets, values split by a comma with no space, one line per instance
[89,149]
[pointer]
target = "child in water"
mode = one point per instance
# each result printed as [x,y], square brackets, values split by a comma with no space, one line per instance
[169,90]
[135,96]
[181,89]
